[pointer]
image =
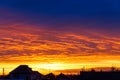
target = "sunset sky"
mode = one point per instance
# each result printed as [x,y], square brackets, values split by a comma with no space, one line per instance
[59,35]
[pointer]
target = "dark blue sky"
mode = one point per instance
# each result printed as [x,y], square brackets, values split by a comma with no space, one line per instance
[59,13]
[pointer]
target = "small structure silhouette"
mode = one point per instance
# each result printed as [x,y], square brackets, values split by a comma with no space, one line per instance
[49,76]
[61,76]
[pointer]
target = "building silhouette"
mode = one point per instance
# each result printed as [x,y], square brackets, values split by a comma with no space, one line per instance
[49,76]
[23,72]
[61,76]
[100,75]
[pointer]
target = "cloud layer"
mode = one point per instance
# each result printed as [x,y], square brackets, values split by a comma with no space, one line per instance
[46,49]
[44,45]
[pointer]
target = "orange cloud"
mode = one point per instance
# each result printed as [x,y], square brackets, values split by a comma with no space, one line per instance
[25,44]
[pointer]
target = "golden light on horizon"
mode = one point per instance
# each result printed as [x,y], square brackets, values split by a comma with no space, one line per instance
[53,67]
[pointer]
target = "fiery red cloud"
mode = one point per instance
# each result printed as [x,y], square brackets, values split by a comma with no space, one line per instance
[59,50]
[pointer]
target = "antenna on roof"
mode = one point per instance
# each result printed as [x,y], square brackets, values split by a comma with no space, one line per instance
[83,69]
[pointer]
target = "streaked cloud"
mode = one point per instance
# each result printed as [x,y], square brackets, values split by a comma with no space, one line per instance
[34,45]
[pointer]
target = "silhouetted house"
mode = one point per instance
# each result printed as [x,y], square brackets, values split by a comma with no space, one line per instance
[23,72]
[49,76]
[37,75]
[74,77]
[61,76]
[100,75]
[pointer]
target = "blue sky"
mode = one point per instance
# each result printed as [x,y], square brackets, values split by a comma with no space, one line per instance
[91,13]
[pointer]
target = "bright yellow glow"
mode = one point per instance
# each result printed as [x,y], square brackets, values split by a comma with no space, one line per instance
[50,66]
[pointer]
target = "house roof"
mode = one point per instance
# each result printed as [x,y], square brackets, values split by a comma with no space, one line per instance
[22,69]
[61,75]
[37,73]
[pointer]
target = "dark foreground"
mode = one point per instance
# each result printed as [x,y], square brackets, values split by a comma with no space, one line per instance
[23,72]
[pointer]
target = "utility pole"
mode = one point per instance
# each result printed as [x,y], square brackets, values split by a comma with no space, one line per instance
[3,72]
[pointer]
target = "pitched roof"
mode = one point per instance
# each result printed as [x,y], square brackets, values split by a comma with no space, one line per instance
[61,75]
[22,69]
